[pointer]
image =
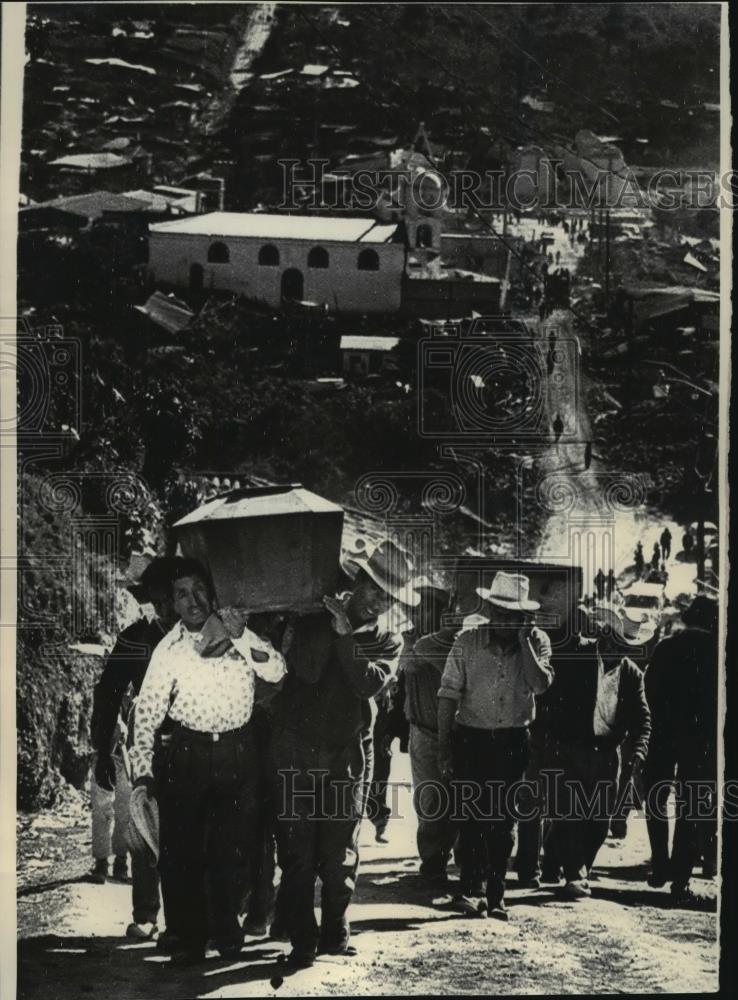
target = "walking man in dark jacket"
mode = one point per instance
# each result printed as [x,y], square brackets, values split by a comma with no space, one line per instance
[124,671]
[596,700]
[682,690]
[337,663]
[422,670]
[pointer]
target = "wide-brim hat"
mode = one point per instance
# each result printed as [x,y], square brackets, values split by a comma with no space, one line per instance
[509,590]
[391,569]
[633,627]
[701,613]
[143,825]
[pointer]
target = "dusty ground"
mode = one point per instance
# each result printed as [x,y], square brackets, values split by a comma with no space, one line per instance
[627,938]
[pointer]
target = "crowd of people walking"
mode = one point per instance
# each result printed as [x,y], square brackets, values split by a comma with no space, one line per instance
[227,746]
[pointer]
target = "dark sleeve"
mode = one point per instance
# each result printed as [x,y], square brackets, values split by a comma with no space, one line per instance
[639,716]
[302,658]
[264,691]
[117,674]
[656,683]
[367,668]
[398,726]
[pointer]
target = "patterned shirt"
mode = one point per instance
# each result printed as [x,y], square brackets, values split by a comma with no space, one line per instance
[212,695]
[495,686]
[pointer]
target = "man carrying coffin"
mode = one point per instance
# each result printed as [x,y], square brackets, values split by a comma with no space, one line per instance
[337,662]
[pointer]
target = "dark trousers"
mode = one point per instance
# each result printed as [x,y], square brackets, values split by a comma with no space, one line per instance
[144,889]
[532,810]
[377,809]
[486,765]
[319,798]
[581,799]
[695,827]
[207,806]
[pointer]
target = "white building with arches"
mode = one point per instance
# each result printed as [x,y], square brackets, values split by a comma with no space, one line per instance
[350,265]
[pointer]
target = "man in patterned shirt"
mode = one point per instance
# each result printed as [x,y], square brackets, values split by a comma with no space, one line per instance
[204,675]
[336,664]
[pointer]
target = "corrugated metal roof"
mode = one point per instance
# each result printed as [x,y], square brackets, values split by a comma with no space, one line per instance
[315,228]
[91,161]
[362,343]
[92,205]
[167,312]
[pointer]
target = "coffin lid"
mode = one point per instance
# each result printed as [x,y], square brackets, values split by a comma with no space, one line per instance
[260,501]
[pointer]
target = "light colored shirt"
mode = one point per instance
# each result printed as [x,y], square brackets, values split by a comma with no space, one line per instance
[208,694]
[495,686]
[606,704]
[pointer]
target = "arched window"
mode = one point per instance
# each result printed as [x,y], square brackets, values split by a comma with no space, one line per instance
[218,253]
[318,257]
[368,260]
[424,236]
[269,256]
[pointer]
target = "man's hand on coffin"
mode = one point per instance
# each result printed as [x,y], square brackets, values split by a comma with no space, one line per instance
[341,623]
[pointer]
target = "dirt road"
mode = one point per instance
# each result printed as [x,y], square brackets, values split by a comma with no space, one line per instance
[626,938]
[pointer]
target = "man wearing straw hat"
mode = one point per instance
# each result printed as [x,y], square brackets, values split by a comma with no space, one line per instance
[596,700]
[489,684]
[336,664]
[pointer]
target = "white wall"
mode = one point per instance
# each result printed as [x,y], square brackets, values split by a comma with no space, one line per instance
[341,285]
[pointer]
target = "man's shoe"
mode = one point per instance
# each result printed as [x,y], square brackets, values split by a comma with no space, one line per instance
[657,879]
[230,951]
[577,889]
[619,829]
[433,869]
[100,872]
[685,898]
[168,943]
[343,948]
[142,932]
[379,830]
[255,927]
[550,878]
[497,910]
[469,905]
[120,870]
[298,960]
[278,932]
[187,956]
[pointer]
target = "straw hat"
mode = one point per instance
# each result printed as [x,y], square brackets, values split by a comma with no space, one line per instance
[630,626]
[143,825]
[390,568]
[509,590]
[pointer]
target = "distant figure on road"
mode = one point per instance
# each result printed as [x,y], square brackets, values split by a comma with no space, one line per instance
[600,584]
[656,557]
[687,543]
[558,427]
[610,583]
[587,455]
[640,562]
[666,543]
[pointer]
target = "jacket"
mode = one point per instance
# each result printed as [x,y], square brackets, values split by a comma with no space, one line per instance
[327,696]
[125,666]
[568,708]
